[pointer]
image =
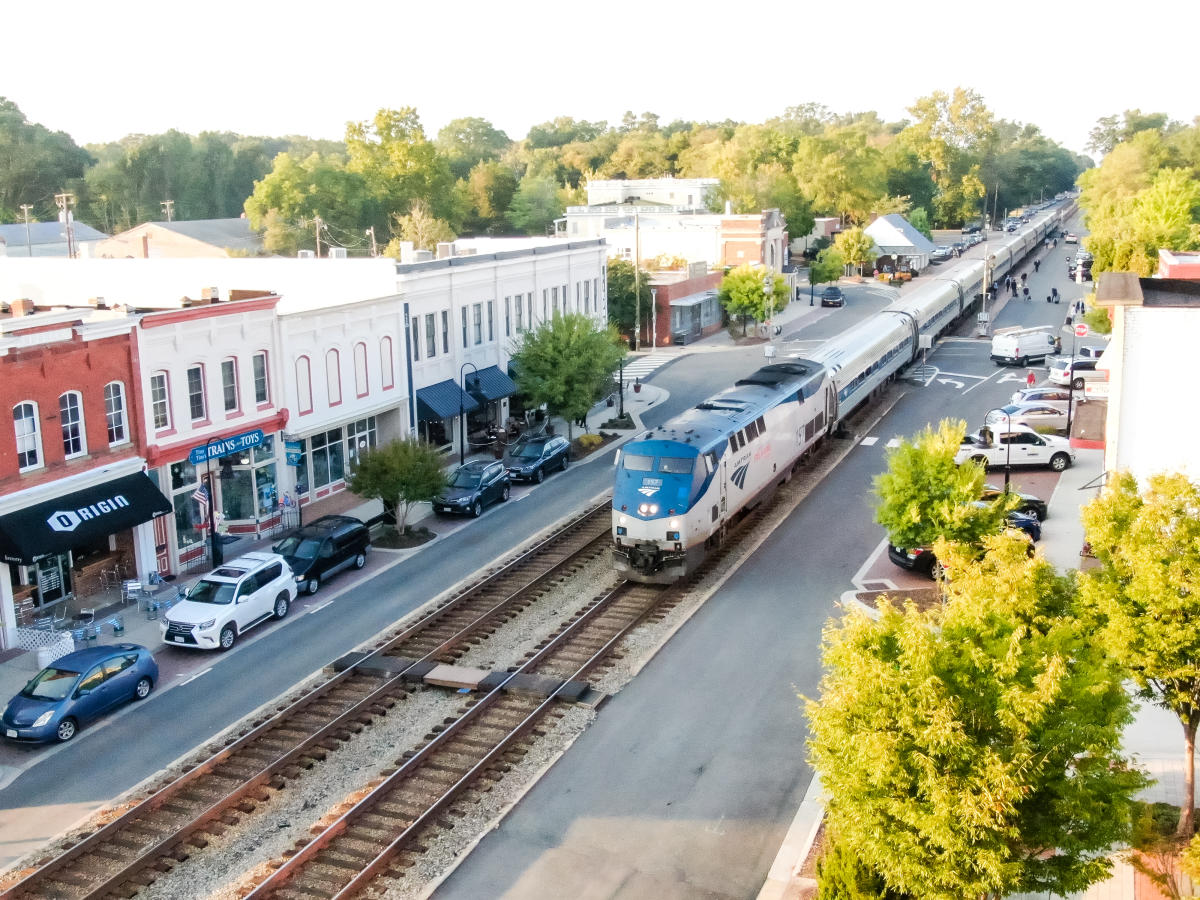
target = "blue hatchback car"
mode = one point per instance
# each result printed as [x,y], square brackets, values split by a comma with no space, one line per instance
[77,688]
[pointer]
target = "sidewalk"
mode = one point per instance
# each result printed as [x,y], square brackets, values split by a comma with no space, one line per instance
[1154,738]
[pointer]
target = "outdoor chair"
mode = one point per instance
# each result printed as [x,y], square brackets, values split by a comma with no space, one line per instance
[85,616]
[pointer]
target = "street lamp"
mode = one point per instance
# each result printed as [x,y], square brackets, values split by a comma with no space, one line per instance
[621,388]
[462,415]
[218,553]
[1007,444]
[769,294]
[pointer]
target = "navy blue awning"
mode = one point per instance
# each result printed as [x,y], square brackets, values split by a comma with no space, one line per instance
[492,384]
[443,400]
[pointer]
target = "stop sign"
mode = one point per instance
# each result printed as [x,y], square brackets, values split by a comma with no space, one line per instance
[1081,330]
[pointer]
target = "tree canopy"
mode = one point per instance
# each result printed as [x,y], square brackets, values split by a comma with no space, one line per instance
[401,473]
[973,751]
[856,247]
[622,305]
[566,362]
[743,293]
[1145,595]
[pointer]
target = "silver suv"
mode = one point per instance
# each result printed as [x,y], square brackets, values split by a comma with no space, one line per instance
[230,600]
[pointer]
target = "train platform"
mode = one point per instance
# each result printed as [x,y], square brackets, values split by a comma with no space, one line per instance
[1153,739]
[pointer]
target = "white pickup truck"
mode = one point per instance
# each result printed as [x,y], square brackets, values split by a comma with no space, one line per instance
[1018,446]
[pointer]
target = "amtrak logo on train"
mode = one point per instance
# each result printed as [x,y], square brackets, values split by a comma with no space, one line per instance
[739,475]
[650,486]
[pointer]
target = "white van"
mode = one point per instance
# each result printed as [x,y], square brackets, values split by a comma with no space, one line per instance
[1017,346]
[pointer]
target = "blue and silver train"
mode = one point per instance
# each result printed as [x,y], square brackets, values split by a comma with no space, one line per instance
[679,485]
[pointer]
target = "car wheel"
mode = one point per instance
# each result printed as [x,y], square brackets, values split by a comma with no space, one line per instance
[228,637]
[142,689]
[982,460]
[360,560]
[312,585]
[1077,384]
[566,459]
[504,494]
[66,730]
[1022,362]
[477,509]
[539,476]
[937,571]
[281,606]
[1059,462]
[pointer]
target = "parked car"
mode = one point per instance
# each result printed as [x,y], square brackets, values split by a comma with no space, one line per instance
[76,689]
[1070,238]
[832,296]
[1051,396]
[1018,446]
[1021,521]
[530,459]
[229,601]
[473,486]
[941,253]
[1035,415]
[923,560]
[1030,503]
[1075,372]
[324,547]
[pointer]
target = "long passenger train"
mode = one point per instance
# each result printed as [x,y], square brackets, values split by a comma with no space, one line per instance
[680,485]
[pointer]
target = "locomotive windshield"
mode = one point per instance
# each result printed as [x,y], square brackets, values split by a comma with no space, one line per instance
[675,465]
[634,462]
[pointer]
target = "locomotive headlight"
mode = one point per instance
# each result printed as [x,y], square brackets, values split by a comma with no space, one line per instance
[621,520]
[643,508]
[654,509]
[674,523]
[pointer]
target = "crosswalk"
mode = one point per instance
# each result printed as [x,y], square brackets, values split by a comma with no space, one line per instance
[639,367]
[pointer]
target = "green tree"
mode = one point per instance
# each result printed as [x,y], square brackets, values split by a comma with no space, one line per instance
[856,247]
[1146,596]
[1110,131]
[35,164]
[842,876]
[973,751]
[743,293]
[919,219]
[469,141]
[623,303]
[565,364]
[490,187]
[400,164]
[399,473]
[421,227]
[924,496]
[841,172]
[299,190]
[535,206]
[827,267]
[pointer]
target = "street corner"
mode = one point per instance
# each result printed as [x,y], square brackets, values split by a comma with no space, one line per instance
[878,573]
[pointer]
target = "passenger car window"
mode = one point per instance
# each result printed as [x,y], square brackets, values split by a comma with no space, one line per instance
[93,679]
[269,574]
[118,664]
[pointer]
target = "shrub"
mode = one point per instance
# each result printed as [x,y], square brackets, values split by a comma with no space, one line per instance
[589,442]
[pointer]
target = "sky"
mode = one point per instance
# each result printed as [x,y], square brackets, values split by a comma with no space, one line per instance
[100,72]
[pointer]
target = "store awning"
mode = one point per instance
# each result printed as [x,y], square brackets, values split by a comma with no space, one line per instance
[55,526]
[443,400]
[492,384]
[693,299]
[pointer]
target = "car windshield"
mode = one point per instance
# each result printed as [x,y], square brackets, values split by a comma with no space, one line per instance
[204,591]
[636,462]
[465,480]
[528,451]
[298,547]
[50,684]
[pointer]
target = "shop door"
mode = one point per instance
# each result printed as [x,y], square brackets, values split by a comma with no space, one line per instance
[53,578]
[162,555]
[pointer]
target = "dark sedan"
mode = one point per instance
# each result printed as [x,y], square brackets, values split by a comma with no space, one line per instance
[472,487]
[76,689]
[530,459]
[1030,504]
[832,296]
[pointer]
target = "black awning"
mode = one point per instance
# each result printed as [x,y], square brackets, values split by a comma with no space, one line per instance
[491,384]
[57,525]
[443,400]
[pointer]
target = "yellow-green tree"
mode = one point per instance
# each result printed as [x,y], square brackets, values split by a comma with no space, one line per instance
[856,247]
[744,293]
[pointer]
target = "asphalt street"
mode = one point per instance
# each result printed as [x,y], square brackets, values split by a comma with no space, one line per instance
[688,780]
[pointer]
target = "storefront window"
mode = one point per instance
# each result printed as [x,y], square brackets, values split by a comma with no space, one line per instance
[187,520]
[183,474]
[360,437]
[302,470]
[264,485]
[237,494]
[265,451]
[327,458]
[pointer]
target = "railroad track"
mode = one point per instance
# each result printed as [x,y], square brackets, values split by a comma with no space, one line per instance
[379,834]
[132,850]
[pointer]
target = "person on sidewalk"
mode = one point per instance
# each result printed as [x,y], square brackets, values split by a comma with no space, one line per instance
[1037,264]
[1026,290]
[1030,378]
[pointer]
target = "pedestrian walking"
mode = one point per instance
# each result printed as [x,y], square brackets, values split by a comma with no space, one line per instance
[1049,299]
[1026,290]
[1030,378]
[1024,275]
[1057,344]
[1037,264]
[1054,293]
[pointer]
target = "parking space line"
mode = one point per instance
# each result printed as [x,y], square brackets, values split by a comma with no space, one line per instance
[319,606]
[868,442]
[196,675]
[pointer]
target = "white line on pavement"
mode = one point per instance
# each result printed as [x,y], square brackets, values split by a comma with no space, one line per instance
[868,442]
[192,678]
[320,606]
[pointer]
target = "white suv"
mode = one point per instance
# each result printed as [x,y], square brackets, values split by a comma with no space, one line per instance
[229,600]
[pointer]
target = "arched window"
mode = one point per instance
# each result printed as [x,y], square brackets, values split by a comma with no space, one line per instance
[114,413]
[29,436]
[304,385]
[333,376]
[361,388]
[70,417]
[387,364]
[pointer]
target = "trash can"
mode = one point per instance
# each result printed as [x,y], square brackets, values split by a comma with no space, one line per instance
[152,611]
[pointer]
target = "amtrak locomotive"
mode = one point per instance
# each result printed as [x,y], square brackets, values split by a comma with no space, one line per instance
[680,485]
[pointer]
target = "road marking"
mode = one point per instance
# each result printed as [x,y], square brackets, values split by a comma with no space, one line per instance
[857,580]
[194,677]
[868,442]
[957,384]
[893,443]
[320,606]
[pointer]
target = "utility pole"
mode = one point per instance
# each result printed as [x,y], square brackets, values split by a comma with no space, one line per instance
[637,283]
[374,247]
[168,208]
[65,201]
[25,208]
[318,223]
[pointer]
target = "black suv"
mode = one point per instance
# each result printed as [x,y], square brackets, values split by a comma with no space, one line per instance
[832,296]
[323,548]
[472,487]
[529,459]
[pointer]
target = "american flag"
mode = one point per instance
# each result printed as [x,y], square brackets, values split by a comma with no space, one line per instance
[200,495]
